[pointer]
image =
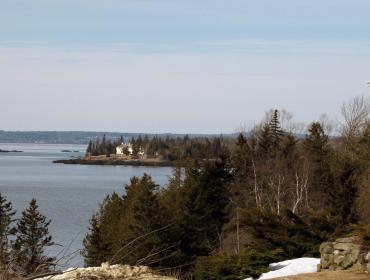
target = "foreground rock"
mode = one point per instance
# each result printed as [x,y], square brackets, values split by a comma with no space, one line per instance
[349,253]
[109,272]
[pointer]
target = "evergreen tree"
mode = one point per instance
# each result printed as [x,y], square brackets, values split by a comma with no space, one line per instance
[89,149]
[96,248]
[171,209]
[6,230]
[140,218]
[103,235]
[206,195]
[242,161]
[265,142]
[346,191]
[111,212]
[275,130]
[318,152]
[32,238]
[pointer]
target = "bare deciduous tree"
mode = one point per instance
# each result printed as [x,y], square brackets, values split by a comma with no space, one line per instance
[300,190]
[355,114]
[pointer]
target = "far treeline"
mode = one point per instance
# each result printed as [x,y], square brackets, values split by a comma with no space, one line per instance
[166,148]
[271,196]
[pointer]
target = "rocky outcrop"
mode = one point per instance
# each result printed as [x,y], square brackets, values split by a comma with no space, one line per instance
[106,271]
[345,254]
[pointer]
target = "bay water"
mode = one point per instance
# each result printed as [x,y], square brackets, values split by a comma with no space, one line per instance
[66,194]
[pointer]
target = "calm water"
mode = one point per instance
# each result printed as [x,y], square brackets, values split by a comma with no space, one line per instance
[66,194]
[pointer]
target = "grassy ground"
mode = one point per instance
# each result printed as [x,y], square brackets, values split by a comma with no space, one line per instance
[332,275]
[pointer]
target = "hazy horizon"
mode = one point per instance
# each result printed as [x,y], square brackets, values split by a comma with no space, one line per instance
[177,67]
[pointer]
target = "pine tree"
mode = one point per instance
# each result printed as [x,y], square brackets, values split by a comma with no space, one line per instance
[89,149]
[32,238]
[242,161]
[265,141]
[110,215]
[344,199]
[206,195]
[96,249]
[275,130]
[318,152]
[6,230]
[140,218]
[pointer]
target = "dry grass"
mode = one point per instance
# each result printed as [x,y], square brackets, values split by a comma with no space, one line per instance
[330,275]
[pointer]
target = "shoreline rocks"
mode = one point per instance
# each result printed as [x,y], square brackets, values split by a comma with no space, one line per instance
[133,162]
[10,151]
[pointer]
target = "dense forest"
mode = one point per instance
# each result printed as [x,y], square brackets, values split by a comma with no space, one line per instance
[272,196]
[167,148]
[232,207]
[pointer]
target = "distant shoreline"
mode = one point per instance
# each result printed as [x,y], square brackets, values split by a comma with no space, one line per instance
[107,161]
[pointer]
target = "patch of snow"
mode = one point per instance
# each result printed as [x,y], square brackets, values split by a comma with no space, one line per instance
[291,267]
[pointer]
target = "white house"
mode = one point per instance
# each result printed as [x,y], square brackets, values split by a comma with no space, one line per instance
[120,149]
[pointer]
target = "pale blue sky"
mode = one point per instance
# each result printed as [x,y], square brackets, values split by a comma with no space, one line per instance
[177,66]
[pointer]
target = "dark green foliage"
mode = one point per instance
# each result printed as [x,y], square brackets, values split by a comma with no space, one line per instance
[318,151]
[103,147]
[276,133]
[32,238]
[171,211]
[127,230]
[294,236]
[140,217]
[205,199]
[103,238]
[264,141]
[345,195]
[266,197]
[250,263]
[171,149]
[6,230]
[270,137]
[96,248]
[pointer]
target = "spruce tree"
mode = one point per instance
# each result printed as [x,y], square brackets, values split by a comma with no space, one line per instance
[6,231]
[110,215]
[265,141]
[32,238]
[89,149]
[346,193]
[316,145]
[242,161]
[171,209]
[206,195]
[96,249]
[275,130]
[140,218]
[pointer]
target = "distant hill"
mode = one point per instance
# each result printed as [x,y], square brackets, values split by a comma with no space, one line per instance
[79,137]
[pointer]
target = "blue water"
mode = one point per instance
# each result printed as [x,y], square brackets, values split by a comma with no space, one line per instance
[66,194]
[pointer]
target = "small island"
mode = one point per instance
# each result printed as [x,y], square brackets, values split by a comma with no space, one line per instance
[10,151]
[103,160]
[145,151]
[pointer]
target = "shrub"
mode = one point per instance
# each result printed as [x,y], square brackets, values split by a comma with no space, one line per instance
[250,263]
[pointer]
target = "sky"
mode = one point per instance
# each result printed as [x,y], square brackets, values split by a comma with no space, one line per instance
[190,66]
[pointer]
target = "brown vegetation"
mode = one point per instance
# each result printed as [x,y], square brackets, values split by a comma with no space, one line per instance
[332,275]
